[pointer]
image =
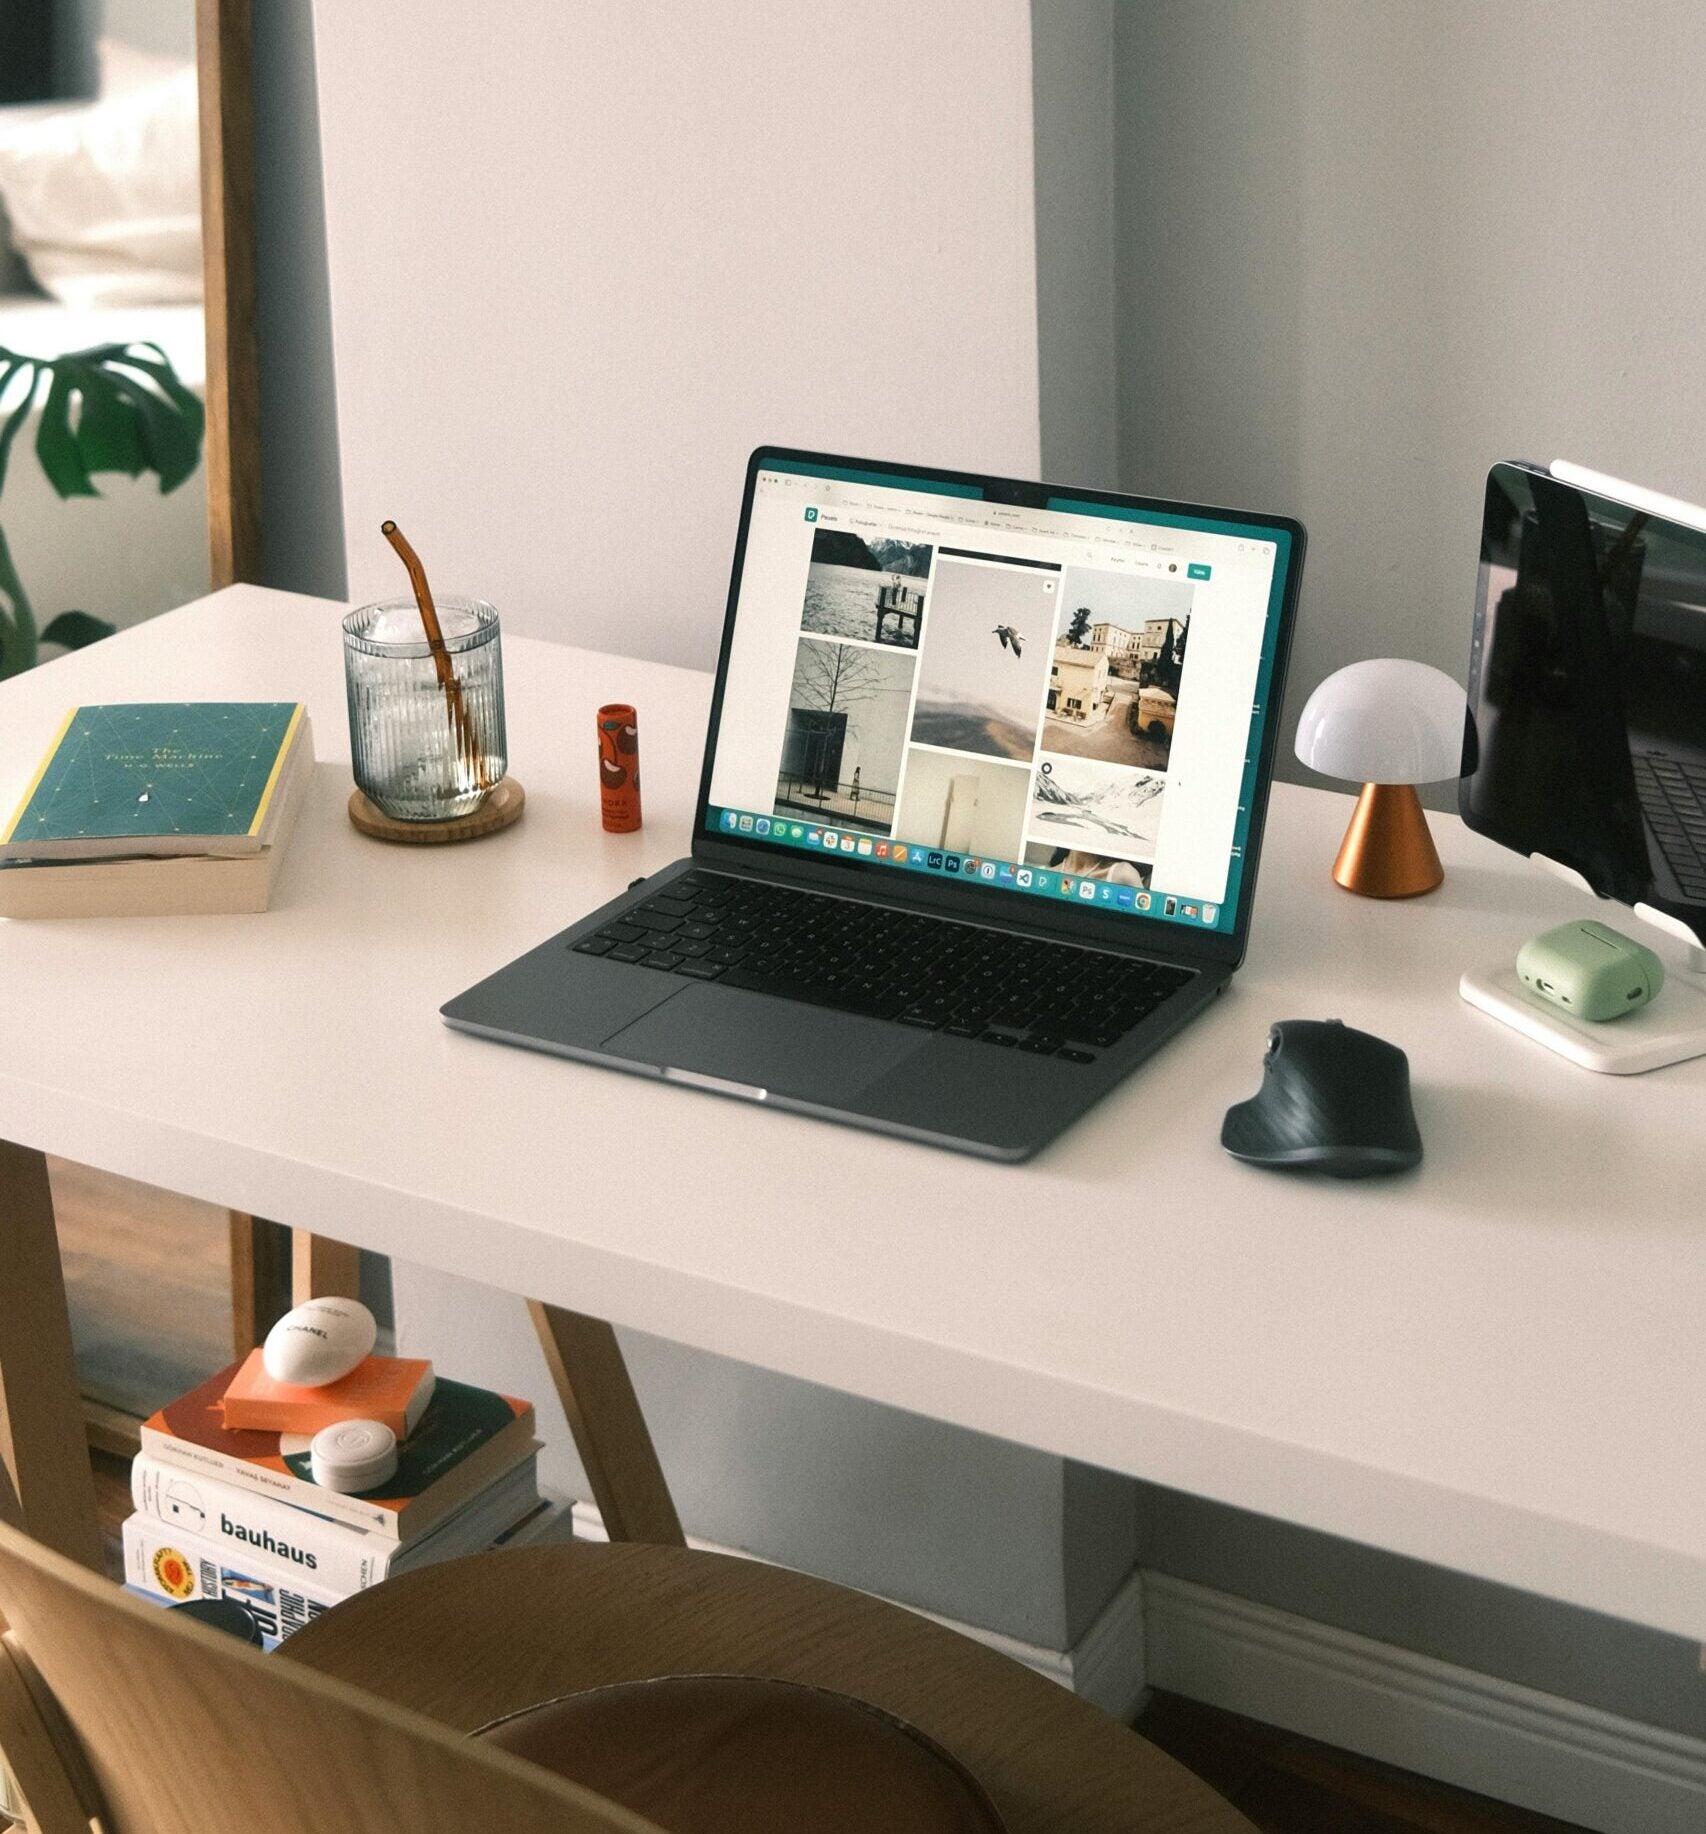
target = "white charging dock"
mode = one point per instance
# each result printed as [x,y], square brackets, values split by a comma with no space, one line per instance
[1671,1029]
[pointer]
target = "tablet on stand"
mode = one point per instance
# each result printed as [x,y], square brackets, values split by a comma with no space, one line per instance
[1585,746]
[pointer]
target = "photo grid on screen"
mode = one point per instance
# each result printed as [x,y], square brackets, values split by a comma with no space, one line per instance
[998,706]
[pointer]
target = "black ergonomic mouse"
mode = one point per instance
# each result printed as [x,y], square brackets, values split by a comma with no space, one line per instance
[1332,1100]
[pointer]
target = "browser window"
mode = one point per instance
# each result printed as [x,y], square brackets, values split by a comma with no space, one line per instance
[1065,702]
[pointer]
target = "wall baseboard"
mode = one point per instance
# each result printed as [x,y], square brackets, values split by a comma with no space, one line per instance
[1538,1751]
[1543,1753]
[1105,1665]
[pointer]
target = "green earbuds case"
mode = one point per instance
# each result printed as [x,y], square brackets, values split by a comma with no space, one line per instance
[1591,970]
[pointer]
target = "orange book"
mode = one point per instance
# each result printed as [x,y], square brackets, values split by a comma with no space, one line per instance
[392,1389]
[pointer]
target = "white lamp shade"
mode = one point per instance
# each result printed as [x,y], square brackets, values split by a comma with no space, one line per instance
[1385,721]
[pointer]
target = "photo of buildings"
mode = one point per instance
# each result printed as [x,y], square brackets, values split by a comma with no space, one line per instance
[1118,658]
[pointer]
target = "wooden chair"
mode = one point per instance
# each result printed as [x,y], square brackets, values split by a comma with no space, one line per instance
[508,1630]
[114,1709]
[116,1712]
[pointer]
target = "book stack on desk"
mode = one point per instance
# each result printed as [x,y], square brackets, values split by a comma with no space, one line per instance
[224,1511]
[158,808]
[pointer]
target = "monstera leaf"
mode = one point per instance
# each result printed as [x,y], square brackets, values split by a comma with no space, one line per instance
[113,407]
[17,621]
[76,629]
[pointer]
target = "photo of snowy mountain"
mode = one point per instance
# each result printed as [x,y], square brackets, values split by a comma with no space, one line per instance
[1100,808]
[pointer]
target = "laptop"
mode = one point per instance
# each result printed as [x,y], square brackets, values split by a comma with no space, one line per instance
[979,819]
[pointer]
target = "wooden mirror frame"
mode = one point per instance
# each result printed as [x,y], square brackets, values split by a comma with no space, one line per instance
[260,1251]
[233,441]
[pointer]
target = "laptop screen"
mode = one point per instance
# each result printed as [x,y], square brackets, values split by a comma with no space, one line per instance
[1062,699]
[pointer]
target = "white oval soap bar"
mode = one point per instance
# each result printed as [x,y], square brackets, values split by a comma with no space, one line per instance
[319,1342]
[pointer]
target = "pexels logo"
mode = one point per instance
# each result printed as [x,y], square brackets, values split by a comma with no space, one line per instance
[267,1544]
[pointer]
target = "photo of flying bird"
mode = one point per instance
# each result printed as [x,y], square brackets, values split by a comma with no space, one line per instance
[980,678]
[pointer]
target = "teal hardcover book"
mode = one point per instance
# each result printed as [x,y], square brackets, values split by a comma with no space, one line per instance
[146,778]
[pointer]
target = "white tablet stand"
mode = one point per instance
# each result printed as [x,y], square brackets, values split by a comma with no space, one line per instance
[1670,1029]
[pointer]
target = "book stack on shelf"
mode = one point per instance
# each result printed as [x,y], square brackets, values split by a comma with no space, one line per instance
[227,1507]
[158,808]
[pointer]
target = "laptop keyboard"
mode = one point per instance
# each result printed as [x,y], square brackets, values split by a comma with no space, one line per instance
[1012,992]
[1673,799]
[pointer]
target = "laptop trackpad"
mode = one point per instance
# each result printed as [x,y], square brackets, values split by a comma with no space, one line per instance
[803,1051]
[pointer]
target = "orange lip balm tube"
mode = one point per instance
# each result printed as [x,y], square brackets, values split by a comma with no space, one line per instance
[619,768]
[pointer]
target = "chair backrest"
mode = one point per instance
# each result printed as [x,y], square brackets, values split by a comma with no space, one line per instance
[180,1729]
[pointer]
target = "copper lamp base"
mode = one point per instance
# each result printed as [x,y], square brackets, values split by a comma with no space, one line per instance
[1387,850]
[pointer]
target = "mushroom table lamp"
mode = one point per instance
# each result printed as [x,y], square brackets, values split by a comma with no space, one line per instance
[1388,725]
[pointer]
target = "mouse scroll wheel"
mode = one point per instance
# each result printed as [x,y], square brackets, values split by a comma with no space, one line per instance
[1274,1043]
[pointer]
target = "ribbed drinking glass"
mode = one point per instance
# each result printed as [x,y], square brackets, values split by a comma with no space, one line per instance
[420,751]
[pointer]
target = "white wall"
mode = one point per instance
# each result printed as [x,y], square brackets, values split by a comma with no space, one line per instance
[979,1530]
[302,526]
[1622,1668]
[1366,250]
[1073,89]
[581,260]
[584,258]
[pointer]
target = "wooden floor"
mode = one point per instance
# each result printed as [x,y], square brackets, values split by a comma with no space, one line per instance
[146,1275]
[1291,1785]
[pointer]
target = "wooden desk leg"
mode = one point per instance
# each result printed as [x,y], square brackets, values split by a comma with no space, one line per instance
[323,1269]
[610,1431]
[260,1278]
[41,1419]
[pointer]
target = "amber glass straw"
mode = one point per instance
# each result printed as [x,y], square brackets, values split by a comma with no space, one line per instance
[461,729]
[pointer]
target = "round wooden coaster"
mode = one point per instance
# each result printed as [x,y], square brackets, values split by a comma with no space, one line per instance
[501,807]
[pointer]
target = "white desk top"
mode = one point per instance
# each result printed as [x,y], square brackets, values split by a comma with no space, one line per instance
[1495,1363]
